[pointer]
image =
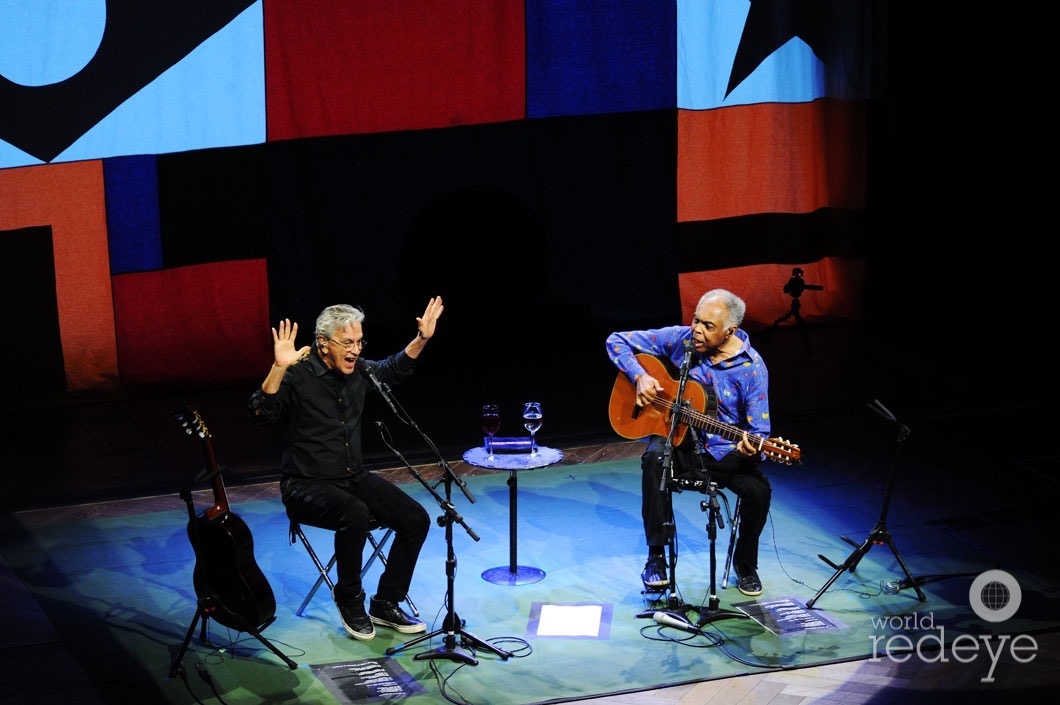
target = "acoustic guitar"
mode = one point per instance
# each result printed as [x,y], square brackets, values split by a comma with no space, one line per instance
[228,581]
[699,411]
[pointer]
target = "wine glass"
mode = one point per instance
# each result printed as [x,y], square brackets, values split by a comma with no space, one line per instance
[532,419]
[491,423]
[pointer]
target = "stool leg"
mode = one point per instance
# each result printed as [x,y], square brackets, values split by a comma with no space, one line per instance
[321,568]
[735,525]
[377,552]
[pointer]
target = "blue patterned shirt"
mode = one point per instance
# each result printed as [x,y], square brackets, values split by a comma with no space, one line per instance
[741,382]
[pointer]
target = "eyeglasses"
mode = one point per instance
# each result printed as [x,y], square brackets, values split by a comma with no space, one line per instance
[351,344]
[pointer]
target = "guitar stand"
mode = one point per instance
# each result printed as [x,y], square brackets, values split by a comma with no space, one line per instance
[202,612]
[879,535]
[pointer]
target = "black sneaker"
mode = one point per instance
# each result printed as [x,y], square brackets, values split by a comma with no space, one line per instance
[654,574]
[749,584]
[388,614]
[356,621]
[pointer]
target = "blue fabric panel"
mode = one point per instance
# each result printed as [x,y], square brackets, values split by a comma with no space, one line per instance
[133,235]
[592,58]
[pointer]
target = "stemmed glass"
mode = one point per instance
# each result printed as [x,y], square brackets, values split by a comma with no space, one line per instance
[491,423]
[532,419]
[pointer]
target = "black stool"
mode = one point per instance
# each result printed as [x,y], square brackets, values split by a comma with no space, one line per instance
[378,545]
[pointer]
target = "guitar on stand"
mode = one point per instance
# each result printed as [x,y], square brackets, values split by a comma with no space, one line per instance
[229,585]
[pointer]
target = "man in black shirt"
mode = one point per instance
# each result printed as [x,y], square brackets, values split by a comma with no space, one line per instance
[314,394]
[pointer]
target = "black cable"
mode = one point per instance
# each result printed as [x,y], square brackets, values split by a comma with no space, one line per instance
[663,633]
[183,673]
[208,679]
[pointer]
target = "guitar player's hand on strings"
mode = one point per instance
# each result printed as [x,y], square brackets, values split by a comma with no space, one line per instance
[745,447]
[647,389]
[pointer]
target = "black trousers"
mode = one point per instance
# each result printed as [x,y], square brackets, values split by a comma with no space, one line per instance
[734,472]
[347,506]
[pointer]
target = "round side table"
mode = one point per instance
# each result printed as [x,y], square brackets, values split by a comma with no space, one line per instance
[513,573]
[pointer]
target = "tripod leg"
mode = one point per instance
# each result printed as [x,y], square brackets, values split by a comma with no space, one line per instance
[449,651]
[905,569]
[412,642]
[801,325]
[849,564]
[272,647]
[468,637]
[175,667]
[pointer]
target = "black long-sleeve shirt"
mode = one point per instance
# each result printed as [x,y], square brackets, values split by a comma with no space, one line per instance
[321,411]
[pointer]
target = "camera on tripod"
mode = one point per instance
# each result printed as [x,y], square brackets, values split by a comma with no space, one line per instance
[796,285]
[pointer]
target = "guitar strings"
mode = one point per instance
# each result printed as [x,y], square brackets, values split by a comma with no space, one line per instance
[711,423]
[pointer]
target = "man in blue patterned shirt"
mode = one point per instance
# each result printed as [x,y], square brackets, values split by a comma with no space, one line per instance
[726,447]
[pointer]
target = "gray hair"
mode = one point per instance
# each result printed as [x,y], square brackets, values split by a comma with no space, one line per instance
[337,317]
[734,305]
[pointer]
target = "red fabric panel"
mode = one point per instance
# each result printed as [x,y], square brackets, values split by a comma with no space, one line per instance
[69,198]
[377,65]
[201,323]
[771,158]
[761,286]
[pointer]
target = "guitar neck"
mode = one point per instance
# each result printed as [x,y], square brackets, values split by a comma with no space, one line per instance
[704,422]
[220,495]
[193,424]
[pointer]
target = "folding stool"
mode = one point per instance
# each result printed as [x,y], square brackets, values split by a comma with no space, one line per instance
[378,546]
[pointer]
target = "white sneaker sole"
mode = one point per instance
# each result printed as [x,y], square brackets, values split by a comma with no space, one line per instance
[403,628]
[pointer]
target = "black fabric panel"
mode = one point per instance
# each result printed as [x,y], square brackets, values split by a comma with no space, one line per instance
[771,238]
[212,206]
[32,363]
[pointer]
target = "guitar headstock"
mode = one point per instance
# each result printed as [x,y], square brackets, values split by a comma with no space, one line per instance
[192,422]
[782,451]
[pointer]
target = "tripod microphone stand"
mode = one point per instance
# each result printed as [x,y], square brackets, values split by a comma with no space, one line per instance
[451,648]
[879,534]
[712,612]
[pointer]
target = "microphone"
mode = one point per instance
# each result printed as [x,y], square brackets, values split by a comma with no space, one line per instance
[369,372]
[690,347]
[669,620]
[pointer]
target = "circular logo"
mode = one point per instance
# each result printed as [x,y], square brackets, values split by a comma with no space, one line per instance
[995,595]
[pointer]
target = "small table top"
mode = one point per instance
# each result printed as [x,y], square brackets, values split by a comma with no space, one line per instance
[514,461]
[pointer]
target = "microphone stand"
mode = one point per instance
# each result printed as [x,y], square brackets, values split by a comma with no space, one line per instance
[676,609]
[452,624]
[712,612]
[879,534]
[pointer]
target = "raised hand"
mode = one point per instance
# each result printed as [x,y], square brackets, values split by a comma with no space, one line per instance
[426,323]
[283,350]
